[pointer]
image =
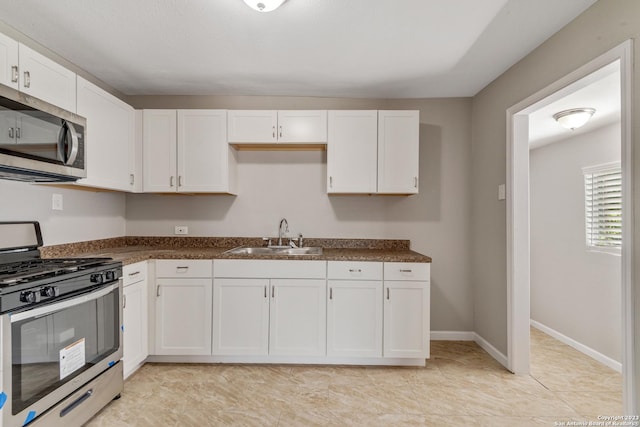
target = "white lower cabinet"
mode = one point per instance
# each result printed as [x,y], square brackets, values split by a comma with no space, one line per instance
[241,317]
[183,307]
[134,314]
[406,310]
[354,309]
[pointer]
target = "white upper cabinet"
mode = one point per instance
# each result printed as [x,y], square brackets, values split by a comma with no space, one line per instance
[205,160]
[398,148]
[285,126]
[47,80]
[187,151]
[110,138]
[9,71]
[352,151]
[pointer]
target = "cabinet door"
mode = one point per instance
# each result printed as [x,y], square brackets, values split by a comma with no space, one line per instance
[203,151]
[352,151]
[109,138]
[252,126]
[298,317]
[159,150]
[302,126]
[241,317]
[46,79]
[354,318]
[398,157]
[9,74]
[183,316]
[406,319]
[134,335]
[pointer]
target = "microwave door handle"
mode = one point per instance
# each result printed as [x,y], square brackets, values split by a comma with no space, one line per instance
[69,153]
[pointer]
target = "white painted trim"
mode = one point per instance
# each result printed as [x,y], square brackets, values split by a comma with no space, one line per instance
[493,352]
[452,336]
[518,248]
[605,360]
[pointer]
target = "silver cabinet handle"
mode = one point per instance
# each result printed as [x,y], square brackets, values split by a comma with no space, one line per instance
[135,273]
[273,292]
[331,181]
[355,270]
[280,131]
[273,132]
[265,291]
[124,301]
[182,267]
[18,133]
[387,293]
[330,293]
[405,271]
[14,73]
[179,180]
[11,133]
[158,290]
[132,179]
[27,79]
[415,181]
[171,178]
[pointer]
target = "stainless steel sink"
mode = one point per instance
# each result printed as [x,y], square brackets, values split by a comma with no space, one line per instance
[263,250]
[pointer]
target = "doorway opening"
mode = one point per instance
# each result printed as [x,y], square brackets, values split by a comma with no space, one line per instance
[518,211]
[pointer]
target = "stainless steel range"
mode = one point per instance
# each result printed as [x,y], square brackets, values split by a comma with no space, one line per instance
[60,332]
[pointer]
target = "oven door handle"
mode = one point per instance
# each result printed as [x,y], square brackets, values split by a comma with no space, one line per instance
[50,308]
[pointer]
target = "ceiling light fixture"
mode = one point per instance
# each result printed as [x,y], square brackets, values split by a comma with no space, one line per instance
[574,118]
[264,5]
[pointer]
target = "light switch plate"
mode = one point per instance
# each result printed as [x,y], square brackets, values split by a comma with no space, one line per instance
[181,229]
[57,202]
[502,192]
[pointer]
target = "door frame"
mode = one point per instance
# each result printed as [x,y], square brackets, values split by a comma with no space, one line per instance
[518,234]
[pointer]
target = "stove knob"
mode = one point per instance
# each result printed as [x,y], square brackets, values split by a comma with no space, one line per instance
[50,291]
[97,278]
[30,297]
[110,275]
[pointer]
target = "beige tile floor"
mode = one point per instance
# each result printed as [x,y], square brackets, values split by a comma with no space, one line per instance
[461,386]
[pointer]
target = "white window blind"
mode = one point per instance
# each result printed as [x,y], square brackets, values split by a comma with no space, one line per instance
[603,206]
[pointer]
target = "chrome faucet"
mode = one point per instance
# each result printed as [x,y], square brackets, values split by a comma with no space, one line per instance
[283,228]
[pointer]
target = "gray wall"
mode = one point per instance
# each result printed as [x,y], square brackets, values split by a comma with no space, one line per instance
[574,291]
[276,184]
[603,26]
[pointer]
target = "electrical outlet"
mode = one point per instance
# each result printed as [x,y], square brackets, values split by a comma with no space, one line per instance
[56,202]
[181,229]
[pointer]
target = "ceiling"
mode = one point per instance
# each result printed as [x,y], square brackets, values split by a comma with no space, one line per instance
[600,90]
[352,48]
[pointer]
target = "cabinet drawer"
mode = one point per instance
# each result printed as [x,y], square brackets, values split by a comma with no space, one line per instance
[271,269]
[134,273]
[184,268]
[354,270]
[407,271]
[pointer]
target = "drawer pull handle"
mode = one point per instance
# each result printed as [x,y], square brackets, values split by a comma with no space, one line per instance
[405,271]
[182,267]
[387,293]
[330,293]
[135,273]
[273,292]
[265,291]
[355,270]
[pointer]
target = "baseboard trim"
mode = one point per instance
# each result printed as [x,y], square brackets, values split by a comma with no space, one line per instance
[452,336]
[594,354]
[493,352]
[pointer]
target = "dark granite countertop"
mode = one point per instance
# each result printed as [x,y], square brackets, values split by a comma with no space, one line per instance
[130,250]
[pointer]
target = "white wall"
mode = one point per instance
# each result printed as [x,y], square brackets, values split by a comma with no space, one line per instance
[86,215]
[574,291]
[275,184]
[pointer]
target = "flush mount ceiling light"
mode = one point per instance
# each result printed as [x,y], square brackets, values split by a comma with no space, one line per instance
[264,5]
[574,118]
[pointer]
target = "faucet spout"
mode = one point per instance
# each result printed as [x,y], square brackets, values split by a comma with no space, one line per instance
[282,229]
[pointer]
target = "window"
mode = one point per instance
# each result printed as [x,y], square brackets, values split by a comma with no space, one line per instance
[603,206]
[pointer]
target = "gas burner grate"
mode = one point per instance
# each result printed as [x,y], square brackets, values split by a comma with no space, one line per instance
[24,271]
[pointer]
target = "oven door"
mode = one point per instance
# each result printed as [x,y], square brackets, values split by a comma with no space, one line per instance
[50,351]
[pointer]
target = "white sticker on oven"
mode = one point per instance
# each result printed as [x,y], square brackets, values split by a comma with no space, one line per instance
[71,358]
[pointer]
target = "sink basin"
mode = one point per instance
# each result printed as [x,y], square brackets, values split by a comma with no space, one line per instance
[263,250]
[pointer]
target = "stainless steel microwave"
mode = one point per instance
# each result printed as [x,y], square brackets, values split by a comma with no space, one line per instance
[39,142]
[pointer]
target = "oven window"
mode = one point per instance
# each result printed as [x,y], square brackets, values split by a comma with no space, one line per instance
[52,349]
